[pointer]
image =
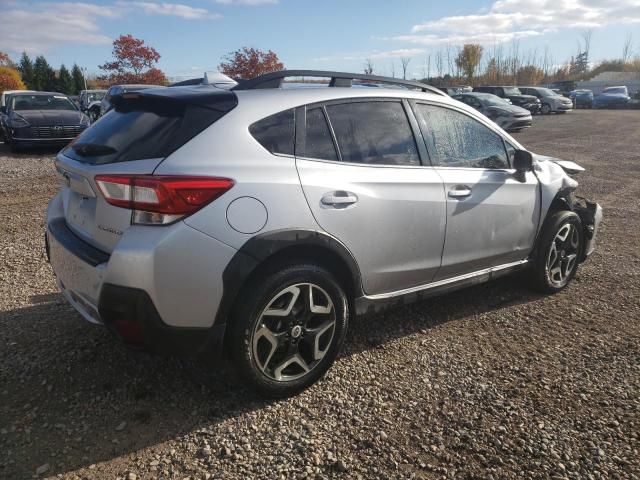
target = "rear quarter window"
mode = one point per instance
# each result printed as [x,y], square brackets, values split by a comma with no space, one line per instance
[276,133]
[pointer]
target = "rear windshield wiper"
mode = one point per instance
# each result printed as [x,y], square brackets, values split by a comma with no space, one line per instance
[92,149]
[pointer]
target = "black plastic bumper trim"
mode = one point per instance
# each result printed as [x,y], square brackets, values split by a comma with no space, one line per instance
[134,306]
[74,244]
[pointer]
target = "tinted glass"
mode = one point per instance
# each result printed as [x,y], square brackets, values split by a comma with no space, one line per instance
[374,133]
[318,141]
[41,102]
[275,133]
[460,141]
[140,129]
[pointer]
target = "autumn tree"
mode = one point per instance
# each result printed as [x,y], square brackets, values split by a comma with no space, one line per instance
[530,75]
[10,79]
[468,59]
[5,61]
[133,62]
[250,62]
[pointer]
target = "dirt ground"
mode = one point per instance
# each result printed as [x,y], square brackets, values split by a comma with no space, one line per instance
[489,382]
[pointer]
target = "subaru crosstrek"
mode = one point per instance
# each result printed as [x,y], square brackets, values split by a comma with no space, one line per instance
[260,219]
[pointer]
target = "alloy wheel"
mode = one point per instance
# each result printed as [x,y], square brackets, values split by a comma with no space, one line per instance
[563,255]
[294,332]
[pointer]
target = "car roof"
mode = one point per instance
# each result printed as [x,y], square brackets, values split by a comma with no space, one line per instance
[32,93]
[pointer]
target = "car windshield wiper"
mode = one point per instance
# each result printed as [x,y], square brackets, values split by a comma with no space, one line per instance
[92,149]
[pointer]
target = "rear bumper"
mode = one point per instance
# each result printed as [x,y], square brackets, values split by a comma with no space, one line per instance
[159,289]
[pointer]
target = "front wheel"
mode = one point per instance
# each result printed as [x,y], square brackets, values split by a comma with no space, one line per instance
[546,109]
[288,329]
[558,254]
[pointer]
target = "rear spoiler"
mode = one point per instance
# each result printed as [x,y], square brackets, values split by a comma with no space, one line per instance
[199,95]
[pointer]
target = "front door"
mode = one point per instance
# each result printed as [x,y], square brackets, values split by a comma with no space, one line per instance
[365,185]
[492,218]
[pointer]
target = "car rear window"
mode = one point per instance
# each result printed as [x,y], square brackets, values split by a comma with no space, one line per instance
[276,133]
[141,128]
[318,141]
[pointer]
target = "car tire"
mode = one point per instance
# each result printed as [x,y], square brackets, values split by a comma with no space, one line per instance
[546,109]
[288,329]
[558,252]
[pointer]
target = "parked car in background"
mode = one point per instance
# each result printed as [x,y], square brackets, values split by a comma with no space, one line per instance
[41,118]
[115,90]
[582,98]
[259,220]
[456,90]
[564,86]
[516,97]
[510,117]
[612,97]
[89,103]
[550,100]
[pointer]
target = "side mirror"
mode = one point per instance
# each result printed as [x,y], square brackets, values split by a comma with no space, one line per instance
[523,163]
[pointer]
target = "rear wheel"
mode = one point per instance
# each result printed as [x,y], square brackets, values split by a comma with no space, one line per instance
[288,329]
[558,253]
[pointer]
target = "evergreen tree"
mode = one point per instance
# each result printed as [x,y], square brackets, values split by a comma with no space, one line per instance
[78,79]
[65,81]
[44,78]
[26,70]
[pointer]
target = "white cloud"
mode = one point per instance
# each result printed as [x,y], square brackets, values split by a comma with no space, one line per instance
[247,2]
[172,9]
[508,20]
[373,55]
[37,27]
[35,30]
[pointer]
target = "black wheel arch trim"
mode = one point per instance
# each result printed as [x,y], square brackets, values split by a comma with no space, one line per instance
[260,248]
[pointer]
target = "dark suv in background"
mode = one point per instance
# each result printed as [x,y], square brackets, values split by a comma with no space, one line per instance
[514,94]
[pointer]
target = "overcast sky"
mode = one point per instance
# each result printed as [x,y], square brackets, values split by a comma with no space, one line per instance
[192,36]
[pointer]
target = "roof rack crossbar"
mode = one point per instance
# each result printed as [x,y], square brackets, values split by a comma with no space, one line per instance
[338,79]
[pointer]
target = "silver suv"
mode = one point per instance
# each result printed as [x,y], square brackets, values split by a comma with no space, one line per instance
[261,218]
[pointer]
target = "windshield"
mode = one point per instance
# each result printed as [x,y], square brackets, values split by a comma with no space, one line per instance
[95,96]
[547,92]
[615,90]
[41,102]
[493,100]
[512,91]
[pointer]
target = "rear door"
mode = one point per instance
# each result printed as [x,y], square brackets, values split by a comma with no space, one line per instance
[362,175]
[492,218]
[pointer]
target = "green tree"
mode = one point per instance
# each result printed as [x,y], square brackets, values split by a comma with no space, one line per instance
[26,70]
[78,79]
[44,78]
[65,81]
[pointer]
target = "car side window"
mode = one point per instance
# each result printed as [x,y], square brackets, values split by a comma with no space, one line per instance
[457,140]
[276,133]
[374,132]
[318,141]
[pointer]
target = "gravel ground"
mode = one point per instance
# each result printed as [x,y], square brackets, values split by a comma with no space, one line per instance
[491,382]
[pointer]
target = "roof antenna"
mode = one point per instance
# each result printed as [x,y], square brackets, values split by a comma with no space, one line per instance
[205,79]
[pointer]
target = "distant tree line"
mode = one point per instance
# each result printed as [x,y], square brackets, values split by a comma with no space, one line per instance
[39,75]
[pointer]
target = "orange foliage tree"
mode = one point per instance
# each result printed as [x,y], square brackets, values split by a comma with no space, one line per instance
[10,79]
[133,62]
[250,62]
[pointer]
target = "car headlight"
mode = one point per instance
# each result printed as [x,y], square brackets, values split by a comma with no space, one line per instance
[18,122]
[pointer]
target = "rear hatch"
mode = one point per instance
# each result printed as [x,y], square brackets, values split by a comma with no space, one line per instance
[133,138]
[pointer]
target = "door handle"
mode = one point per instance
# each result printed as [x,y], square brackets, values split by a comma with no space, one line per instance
[339,199]
[459,191]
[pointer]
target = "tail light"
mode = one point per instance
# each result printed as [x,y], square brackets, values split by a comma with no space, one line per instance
[159,200]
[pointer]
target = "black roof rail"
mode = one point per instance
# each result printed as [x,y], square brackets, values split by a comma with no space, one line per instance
[338,79]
